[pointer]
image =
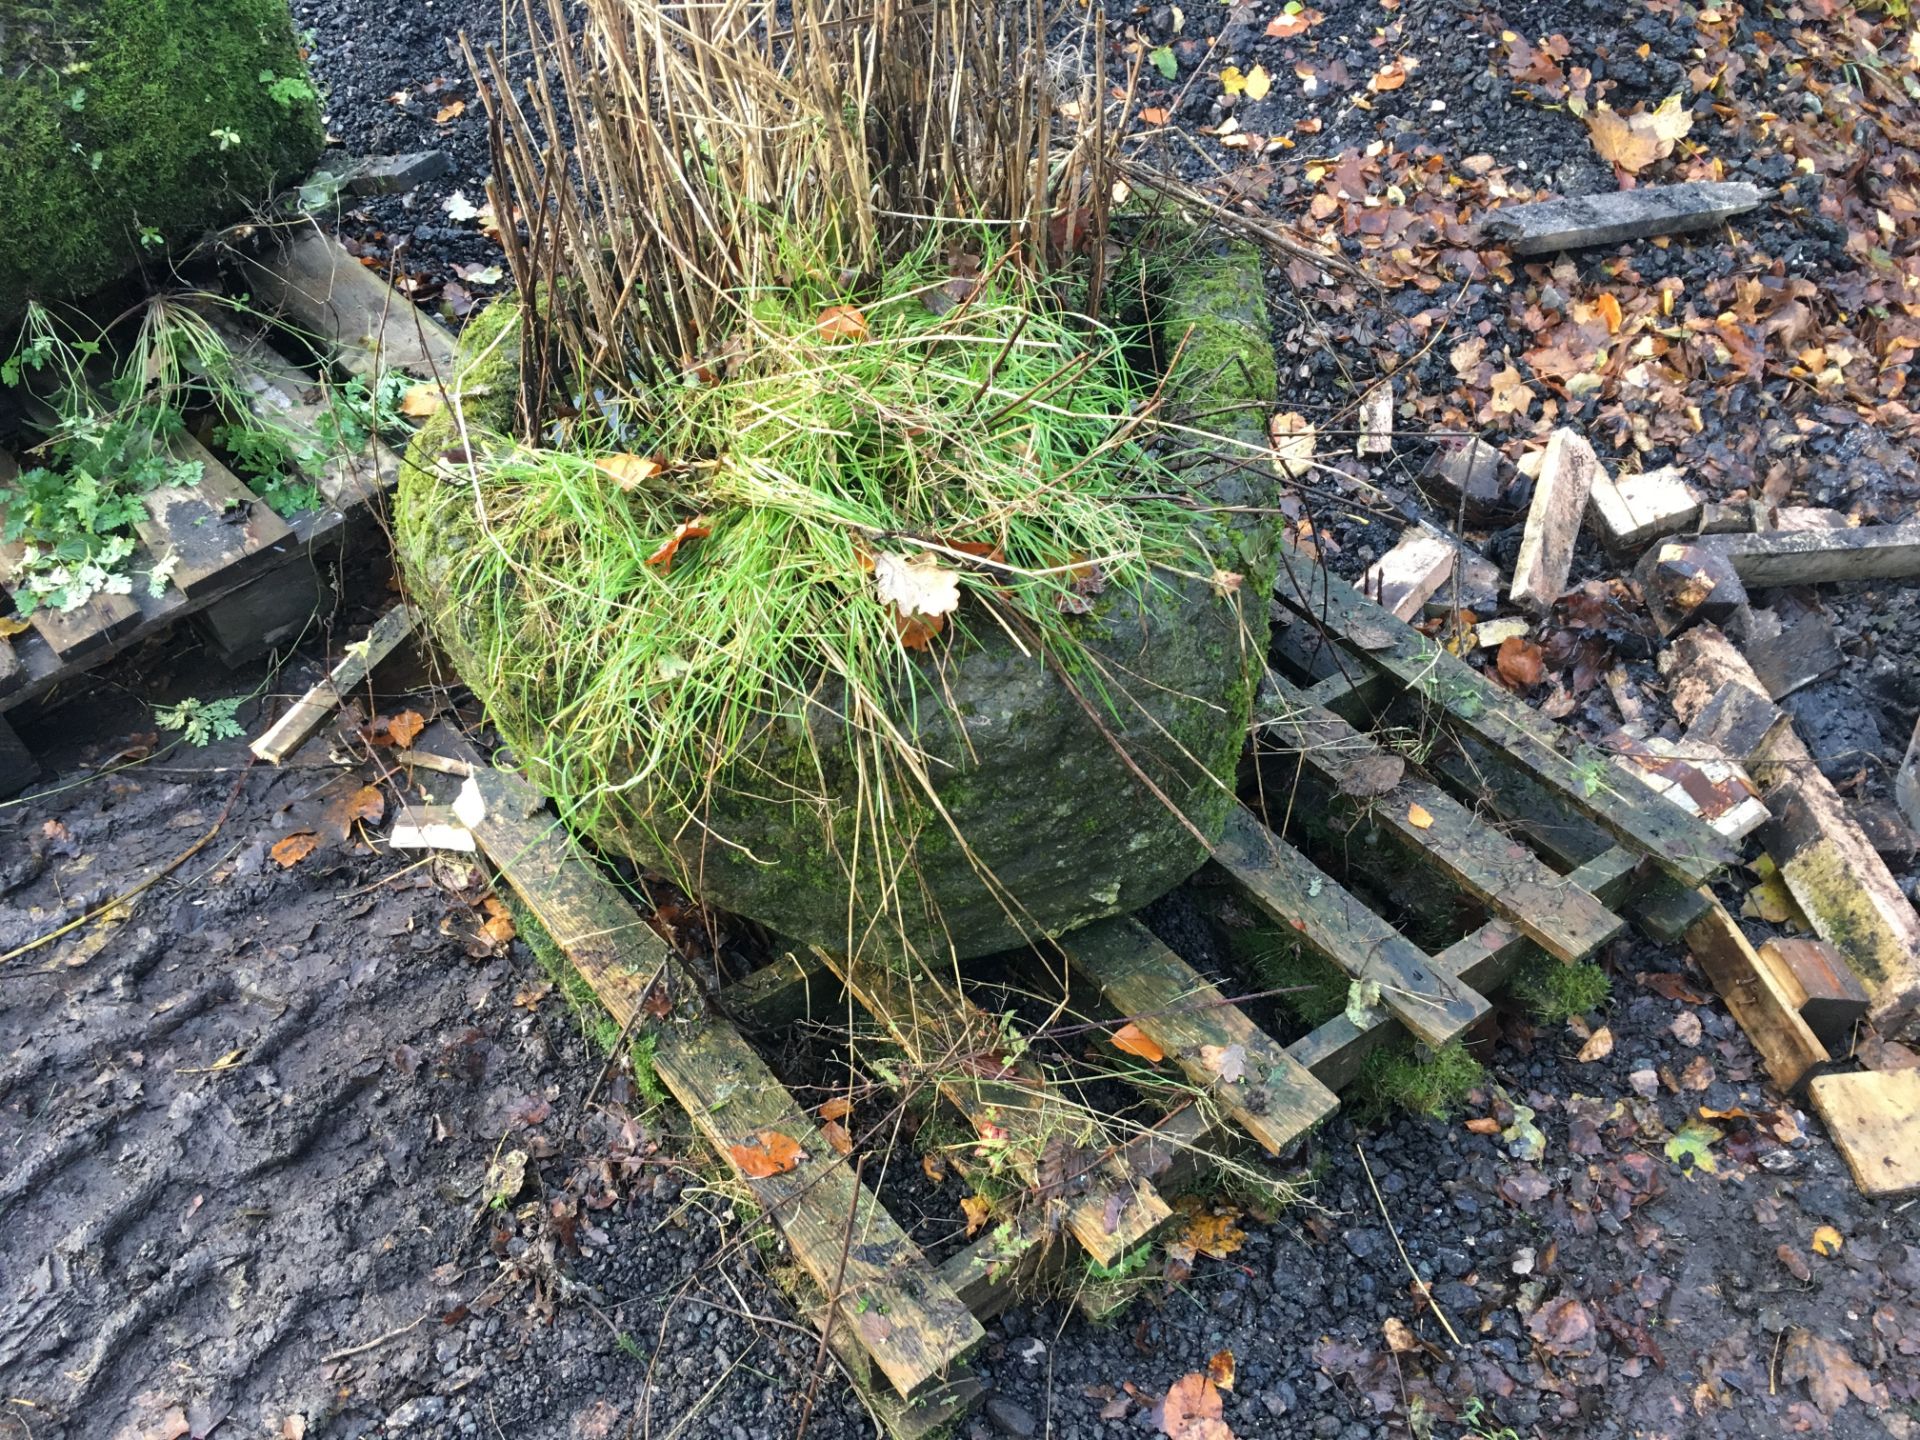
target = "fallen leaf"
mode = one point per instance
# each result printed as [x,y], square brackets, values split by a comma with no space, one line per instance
[420,401]
[697,528]
[978,1210]
[1831,1372]
[363,806]
[1826,1241]
[1419,817]
[1399,1338]
[841,322]
[1609,309]
[498,925]
[1390,77]
[1563,1327]
[1191,1410]
[1598,1047]
[1259,82]
[295,848]
[1292,436]
[1207,1233]
[1229,1062]
[452,110]
[838,1108]
[1372,775]
[11,625]
[1686,1028]
[1154,115]
[1220,1369]
[1135,1041]
[1635,142]
[916,586]
[1483,1125]
[837,1137]
[1232,82]
[1795,1262]
[931,1167]
[1520,663]
[765,1154]
[630,472]
[1691,1147]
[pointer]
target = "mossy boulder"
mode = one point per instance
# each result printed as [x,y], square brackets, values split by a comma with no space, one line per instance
[1057,808]
[128,127]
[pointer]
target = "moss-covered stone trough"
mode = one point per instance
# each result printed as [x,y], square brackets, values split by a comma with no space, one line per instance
[1047,818]
[130,128]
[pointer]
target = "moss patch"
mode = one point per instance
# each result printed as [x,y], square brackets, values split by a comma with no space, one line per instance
[1557,993]
[1401,1075]
[135,125]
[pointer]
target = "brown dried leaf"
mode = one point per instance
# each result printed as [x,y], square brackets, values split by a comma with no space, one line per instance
[1135,1041]
[294,848]
[978,1210]
[841,322]
[765,1154]
[1191,1410]
[1520,663]
[1598,1047]
[1831,1372]
[1220,1369]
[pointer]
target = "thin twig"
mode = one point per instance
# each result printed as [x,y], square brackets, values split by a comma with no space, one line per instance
[1425,1290]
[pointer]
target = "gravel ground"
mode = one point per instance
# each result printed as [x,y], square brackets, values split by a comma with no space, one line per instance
[248,1128]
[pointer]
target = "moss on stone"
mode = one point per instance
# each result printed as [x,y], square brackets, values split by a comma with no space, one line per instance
[124,119]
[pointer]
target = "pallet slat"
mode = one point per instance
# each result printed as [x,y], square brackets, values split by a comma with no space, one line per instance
[938,1026]
[1584,777]
[1435,1006]
[1503,874]
[310,712]
[216,531]
[913,1326]
[1182,1013]
[68,633]
[350,313]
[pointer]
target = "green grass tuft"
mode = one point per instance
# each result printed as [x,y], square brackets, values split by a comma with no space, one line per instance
[1399,1076]
[1556,992]
[1314,989]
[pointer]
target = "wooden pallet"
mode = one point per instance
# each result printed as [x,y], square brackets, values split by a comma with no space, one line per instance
[222,538]
[1548,852]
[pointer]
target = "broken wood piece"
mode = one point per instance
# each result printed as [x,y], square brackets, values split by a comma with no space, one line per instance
[1826,992]
[430,827]
[427,760]
[1766,1011]
[1698,666]
[397,174]
[211,532]
[1376,420]
[1553,520]
[1401,580]
[1467,480]
[1570,224]
[310,712]
[1270,1095]
[1684,583]
[1702,781]
[1821,556]
[1803,653]
[914,1328]
[1434,1006]
[1737,721]
[1630,513]
[1873,1117]
[351,314]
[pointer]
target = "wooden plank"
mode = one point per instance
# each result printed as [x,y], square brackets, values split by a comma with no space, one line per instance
[788,990]
[1434,1006]
[12,677]
[1678,843]
[1483,959]
[1503,874]
[310,712]
[1823,989]
[284,396]
[1630,513]
[1553,520]
[1874,1120]
[348,312]
[1766,1011]
[213,532]
[1275,1101]
[912,1325]
[1819,556]
[1110,1210]
[1545,226]
[68,633]
[1803,653]
[1401,580]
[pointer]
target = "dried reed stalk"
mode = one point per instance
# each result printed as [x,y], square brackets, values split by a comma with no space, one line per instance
[666,162]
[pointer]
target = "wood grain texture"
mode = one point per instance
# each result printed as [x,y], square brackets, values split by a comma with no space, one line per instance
[909,1322]
[1874,1120]
[1553,520]
[1434,1006]
[1817,556]
[1276,1101]
[1108,1209]
[310,711]
[350,313]
[215,532]
[1766,1011]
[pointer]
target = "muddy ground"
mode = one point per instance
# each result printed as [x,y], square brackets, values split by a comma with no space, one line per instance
[246,1127]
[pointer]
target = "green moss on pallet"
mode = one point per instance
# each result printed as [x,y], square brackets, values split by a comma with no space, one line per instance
[131,126]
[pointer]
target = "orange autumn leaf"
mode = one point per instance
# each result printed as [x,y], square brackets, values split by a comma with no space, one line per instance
[1419,817]
[1211,1235]
[978,1210]
[1135,1041]
[295,848]
[1484,1125]
[1520,662]
[400,731]
[766,1154]
[933,1169]
[1220,1369]
[838,1108]
[1154,115]
[841,322]
[498,926]
[837,1137]
[1389,77]
[1609,309]
[1287,25]
[1192,1410]
[916,632]
[420,401]
[452,110]
[630,472]
[694,529]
